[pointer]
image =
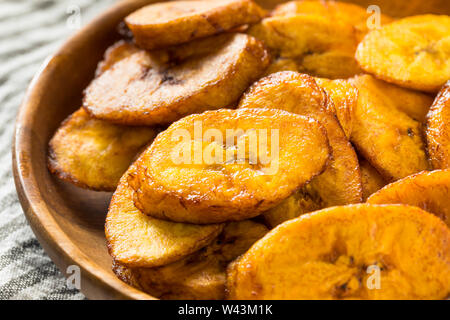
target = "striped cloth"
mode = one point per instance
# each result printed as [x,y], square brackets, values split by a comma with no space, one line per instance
[30,30]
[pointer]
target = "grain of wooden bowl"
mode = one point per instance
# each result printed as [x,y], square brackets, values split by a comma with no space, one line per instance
[69,221]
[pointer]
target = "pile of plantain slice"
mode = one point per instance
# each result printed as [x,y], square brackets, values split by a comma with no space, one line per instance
[353,201]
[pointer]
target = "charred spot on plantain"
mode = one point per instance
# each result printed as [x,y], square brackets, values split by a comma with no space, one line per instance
[260,202]
[343,286]
[212,23]
[168,79]
[146,72]
[337,252]
[430,49]
[182,203]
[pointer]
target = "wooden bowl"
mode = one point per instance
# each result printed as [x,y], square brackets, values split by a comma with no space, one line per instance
[68,221]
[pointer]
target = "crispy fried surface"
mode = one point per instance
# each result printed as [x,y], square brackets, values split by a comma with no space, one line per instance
[137,240]
[200,275]
[281,64]
[118,51]
[387,137]
[427,190]
[307,40]
[313,37]
[351,14]
[413,103]
[94,154]
[401,8]
[326,255]
[438,130]
[169,23]
[345,98]
[413,52]
[394,8]
[233,181]
[306,200]
[298,93]
[372,181]
[158,88]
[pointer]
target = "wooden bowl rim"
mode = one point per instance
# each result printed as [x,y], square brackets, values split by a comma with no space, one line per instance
[53,239]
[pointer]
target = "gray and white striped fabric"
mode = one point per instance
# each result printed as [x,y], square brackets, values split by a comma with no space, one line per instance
[30,30]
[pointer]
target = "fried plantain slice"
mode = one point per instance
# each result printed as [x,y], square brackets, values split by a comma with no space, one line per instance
[352,252]
[372,181]
[92,153]
[413,103]
[345,95]
[310,42]
[438,130]
[318,38]
[345,98]
[385,136]
[413,52]
[137,240]
[396,8]
[351,14]
[200,275]
[406,8]
[298,93]
[334,65]
[159,88]
[427,190]
[246,162]
[169,23]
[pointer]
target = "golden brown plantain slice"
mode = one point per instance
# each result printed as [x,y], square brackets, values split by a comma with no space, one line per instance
[310,42]
[427,190]
[93,153]
[345,98]
[351,14]
[438,130]
[351,252]
[246,162]
[372,181]
[137,240]
[298,93]
[159,88]
[169,23]
[200,275]
[318,38]
[385,136]
[413,52]
[394,8]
